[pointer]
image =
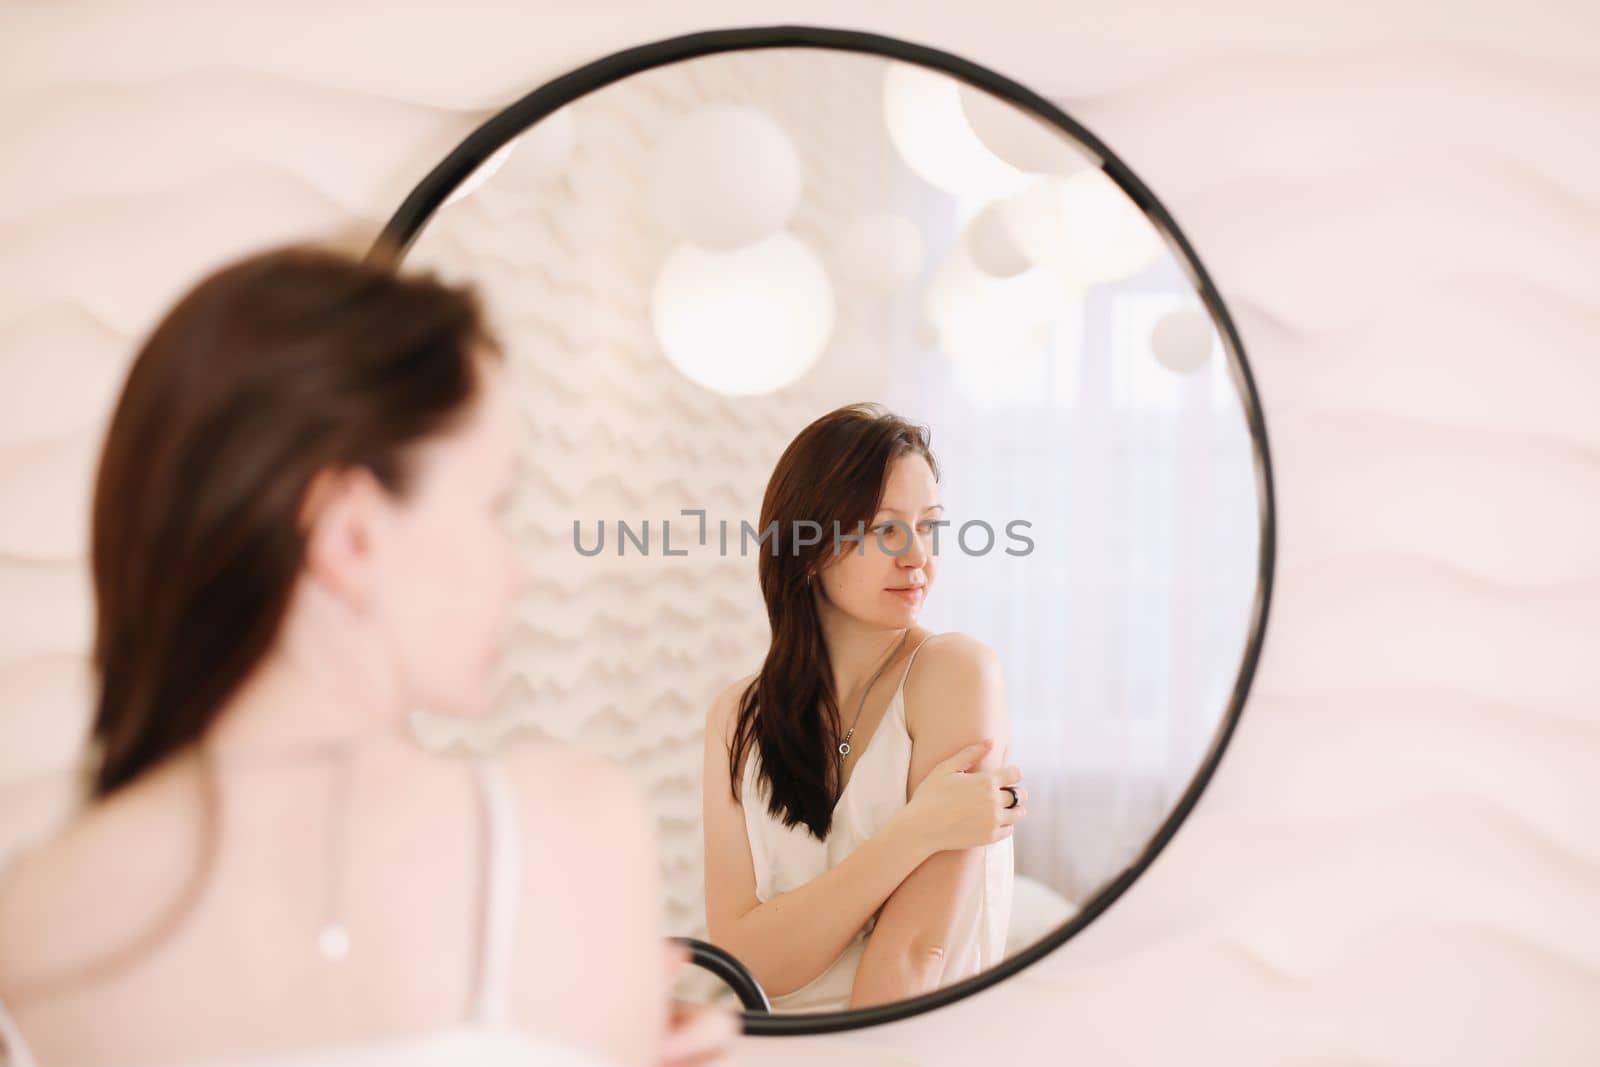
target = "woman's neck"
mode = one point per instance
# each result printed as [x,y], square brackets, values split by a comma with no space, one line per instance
[296,701]
[855,649]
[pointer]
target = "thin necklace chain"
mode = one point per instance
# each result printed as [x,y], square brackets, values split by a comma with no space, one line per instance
[333,938]
[844,746]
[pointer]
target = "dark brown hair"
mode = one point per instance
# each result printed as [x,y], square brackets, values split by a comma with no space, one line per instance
[833,472]
[268,371]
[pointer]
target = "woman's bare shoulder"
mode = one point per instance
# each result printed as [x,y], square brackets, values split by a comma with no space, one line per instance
[589,944]
[955,653]
[556,778]
[724,706]
[957,678]
[145,840]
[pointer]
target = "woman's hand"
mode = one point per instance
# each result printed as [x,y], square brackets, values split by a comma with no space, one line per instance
[696,1033]
[956,807]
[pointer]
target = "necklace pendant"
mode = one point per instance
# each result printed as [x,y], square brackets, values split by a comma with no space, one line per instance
[334,942]
[844,748]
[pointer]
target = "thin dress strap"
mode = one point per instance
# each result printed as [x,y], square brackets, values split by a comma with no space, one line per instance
[13,1052]
[502,871]
[911,659]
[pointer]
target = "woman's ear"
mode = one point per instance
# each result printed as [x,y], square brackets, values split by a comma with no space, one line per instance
[338,514]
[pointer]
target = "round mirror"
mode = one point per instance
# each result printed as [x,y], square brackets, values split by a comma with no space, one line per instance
[758,277]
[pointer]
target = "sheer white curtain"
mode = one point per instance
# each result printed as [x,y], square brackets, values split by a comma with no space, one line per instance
[1122,630]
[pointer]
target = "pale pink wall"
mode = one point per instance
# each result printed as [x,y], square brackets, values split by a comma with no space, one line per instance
[1398,861]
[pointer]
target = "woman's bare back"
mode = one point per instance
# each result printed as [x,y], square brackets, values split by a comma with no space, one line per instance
[178,956]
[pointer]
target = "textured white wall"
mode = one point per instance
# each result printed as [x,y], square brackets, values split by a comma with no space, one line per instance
[1397,862]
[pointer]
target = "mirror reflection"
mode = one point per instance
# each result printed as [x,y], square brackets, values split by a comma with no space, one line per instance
[867,418]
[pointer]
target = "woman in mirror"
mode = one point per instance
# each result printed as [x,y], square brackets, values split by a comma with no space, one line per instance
[298,539]
[857,816]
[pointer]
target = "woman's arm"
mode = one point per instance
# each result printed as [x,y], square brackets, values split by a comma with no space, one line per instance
[959,694]
[790,939]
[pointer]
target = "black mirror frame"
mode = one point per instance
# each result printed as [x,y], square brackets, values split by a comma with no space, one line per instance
[728,967]
[414,213]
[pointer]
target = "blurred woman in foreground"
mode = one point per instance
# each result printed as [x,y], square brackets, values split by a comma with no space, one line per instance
[297,540]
